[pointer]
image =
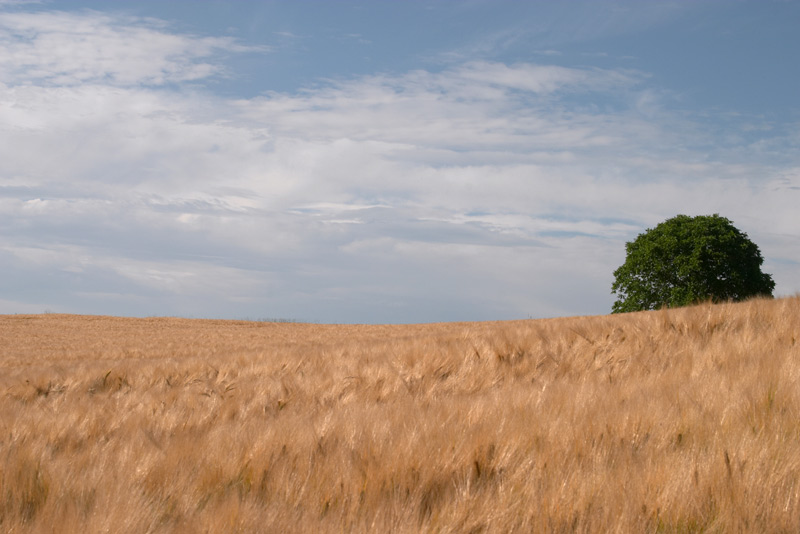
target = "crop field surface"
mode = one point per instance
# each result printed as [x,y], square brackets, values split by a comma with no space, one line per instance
[684,420]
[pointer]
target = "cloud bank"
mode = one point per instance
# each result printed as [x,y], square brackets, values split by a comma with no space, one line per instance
[479,191]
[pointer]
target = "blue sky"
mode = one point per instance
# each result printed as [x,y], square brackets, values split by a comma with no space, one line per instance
[382,162]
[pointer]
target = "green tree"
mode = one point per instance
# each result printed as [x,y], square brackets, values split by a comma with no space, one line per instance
[685,260]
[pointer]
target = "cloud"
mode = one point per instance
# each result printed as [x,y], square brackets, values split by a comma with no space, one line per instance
[67,49]
[552,28]
[483,190]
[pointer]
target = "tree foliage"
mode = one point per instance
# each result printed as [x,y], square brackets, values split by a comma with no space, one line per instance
[685,260]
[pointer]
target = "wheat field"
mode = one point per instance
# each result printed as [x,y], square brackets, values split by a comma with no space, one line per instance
[683,420]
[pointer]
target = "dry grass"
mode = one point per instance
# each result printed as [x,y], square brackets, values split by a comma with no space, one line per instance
[674,421]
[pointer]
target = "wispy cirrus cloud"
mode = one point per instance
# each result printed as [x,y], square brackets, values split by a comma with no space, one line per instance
[67,49]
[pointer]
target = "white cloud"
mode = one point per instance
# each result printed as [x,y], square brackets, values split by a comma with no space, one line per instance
[59,48]
[543,79]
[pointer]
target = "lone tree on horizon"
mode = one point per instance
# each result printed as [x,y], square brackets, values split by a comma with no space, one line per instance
[685,260]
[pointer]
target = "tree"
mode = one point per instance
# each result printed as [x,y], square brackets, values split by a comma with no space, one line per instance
[685,260]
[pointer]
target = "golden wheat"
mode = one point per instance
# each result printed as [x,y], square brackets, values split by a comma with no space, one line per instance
[673,421]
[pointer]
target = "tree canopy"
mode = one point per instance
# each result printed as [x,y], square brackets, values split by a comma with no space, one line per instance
[685,260]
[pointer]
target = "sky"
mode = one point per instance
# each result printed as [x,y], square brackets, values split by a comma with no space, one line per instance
[382,161]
